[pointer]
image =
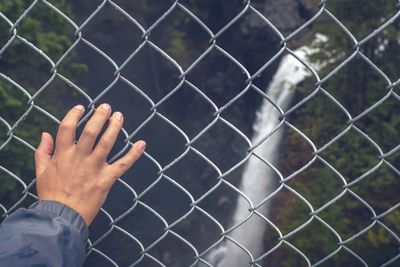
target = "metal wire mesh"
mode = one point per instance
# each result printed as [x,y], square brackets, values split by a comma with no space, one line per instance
[200,257]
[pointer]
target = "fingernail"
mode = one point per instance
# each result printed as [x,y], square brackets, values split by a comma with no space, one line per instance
[119,116]
[141,145]
[80,107]
[106,106]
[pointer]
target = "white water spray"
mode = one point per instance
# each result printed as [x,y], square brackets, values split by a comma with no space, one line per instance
[257,177]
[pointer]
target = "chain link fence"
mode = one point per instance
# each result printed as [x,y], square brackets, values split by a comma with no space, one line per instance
[223,244]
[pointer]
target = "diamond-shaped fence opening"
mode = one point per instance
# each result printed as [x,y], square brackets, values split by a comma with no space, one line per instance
[272,126]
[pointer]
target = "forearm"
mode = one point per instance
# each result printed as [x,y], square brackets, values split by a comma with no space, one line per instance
[48,233]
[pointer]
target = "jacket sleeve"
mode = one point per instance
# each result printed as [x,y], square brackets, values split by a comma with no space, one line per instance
[48,233]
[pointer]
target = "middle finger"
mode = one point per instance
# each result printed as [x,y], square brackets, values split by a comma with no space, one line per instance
[92,128]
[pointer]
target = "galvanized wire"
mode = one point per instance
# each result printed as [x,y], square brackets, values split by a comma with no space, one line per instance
[200,256]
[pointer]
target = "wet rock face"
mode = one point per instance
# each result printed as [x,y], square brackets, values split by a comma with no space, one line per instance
[288,15]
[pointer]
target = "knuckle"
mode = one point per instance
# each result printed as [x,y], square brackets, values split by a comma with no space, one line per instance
[105,144]
[102,186]
[89,134]
[123,166]
[66,126]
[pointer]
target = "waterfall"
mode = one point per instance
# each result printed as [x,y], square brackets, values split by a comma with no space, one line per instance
[258,179]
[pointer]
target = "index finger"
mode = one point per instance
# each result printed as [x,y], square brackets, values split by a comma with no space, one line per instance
[67,129]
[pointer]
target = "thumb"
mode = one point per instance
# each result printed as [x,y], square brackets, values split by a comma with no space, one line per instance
[44,152]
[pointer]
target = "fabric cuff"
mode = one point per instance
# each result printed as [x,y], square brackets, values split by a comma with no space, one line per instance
[65,212]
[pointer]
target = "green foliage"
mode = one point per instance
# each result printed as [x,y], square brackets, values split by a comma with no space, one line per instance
[49,32]
[357,86]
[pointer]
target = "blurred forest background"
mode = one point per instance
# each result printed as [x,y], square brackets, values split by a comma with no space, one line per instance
[357,86]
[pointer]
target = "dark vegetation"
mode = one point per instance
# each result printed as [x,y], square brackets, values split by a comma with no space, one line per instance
[46,30]
[357,87]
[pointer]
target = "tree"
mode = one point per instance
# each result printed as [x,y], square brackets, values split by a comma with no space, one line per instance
[357,87]
[47,31]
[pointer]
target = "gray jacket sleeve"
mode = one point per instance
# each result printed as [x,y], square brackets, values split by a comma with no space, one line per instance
[46,234]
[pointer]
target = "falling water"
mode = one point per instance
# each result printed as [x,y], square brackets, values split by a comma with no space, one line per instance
[257,180]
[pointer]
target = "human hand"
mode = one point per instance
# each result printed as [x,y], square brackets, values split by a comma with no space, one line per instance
[78,175]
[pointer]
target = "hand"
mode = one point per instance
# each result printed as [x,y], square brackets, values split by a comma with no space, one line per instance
[78,175]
